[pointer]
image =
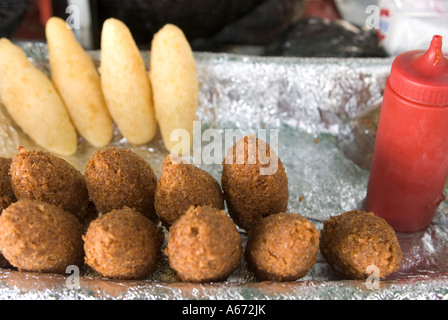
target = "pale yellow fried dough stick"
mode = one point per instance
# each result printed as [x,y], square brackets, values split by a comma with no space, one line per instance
[174,83]
[78,82]
[125,83]
[33,102]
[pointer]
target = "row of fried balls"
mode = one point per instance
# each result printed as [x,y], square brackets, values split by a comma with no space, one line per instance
[54,216]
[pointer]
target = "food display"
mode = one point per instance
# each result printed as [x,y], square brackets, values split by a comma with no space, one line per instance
[78,83]
[204,245]
[40,175]
[355,240]
[118,177]
[182,185]
[130,209]
[282,247]
[249,194]
[33,102]
[123,244]
[40,237]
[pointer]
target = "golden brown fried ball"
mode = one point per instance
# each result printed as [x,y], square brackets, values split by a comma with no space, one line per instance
[118,177]
[40,237]
[282,247]
[204,245]
[182,185]
[7,195]
[250,194]
[123,244]
[354,240]
[39,175]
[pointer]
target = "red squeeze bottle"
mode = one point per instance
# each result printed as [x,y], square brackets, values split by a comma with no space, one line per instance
[410,158]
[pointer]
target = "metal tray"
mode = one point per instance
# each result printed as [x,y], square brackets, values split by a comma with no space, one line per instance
[325,111]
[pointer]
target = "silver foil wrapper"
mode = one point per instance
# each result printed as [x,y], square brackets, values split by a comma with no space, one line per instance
[326,112]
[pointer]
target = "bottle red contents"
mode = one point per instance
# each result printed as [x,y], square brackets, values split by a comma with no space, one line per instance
[410,159]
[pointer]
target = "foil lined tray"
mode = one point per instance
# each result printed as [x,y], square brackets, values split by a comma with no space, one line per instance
[326,112]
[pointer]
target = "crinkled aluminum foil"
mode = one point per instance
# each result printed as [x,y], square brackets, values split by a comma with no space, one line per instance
[326,111]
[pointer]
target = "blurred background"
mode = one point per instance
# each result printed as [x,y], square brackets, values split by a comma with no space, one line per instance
[307,28]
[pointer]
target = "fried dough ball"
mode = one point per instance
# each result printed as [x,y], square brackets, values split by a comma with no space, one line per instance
[182,185]
[282,247]
[7,195]
[118,177]
[204,245]
[254,183]
[39,175]
[123,244]
[40,237]
[355,240]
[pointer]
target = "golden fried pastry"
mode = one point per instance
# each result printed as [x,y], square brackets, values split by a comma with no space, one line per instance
[40,237]
[40,175]
[175,86]
[78,83]
[118,177]
[249,194]
[355,240]
[33,102]
[204,245]
[7,195]
[181,186]
[282,247]
[125,83]
[123,244]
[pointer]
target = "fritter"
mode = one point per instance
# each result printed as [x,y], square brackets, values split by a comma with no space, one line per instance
[204,245]
[39,175]
[40,237]
[118,177]
[123,244]
[282,247]
[251,194]
[6,189]
[7,195]
[355,240]
[182,185]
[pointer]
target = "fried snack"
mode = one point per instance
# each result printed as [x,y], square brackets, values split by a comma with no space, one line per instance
[249,194]
[39,175]
[175,86]
[118,177]
[181,186]
[125,83]
[40,237]
[355,240]
[7,195]
[78,83]
[282,247]
[33,102]
[123,244]
[204,245]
